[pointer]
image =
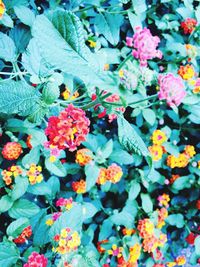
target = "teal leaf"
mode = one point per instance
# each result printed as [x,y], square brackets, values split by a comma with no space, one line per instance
[134,190]
[197,245]
[92,173]
[19,188]
[109,25]
[17,98]
[5,203]
[89,210]
[32,157]
[50,93]
[9,254]
[25,15]
[56,168]
[16,227]
[149,116]
[147,204]
[176,220]
[7,48]
[23,208]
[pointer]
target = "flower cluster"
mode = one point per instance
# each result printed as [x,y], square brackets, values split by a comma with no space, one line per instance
[79,186]
[191,51]
[145,45]
[180,260]
[115,251]
[2,9]
[12,150]
[68,129]
[174,178]
[22,238]
[188,25]
[171,89]
[156,150]
[158,137]
[113,99]
[162,215]
[34,174]
[164,200]
[36,260]
[10,174]
[53,218]
[150,241]
[67,240]
[64,203]
[186,72]
[183,158]
[83,156]
[112,174]
[196,89]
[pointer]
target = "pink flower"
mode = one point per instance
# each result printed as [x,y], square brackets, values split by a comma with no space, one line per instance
[171,89]
[36,260]
[145,45]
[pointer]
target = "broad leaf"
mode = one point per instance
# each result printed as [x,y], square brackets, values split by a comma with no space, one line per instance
[17,98]
[23,208]
[7,48]
[25,15]
[147,204]
[16,227]
[5,203]
[9,254]
[92,173]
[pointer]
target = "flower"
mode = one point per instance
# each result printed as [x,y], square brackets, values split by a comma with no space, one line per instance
[180,260]
[68,129]
[162,215]
[99,247]
[145,45]
[145,228]
[181,161]
[156,152]
[196,89]
[134,253]
[188,25]
[186,72]
[164,200]
[67,95]
[22,238]
[10,174]
[150,244]
[92,43]
[2,9]
[128,232]
[83,156]
[34,174]
[171,89]
[102,178]
[115,251]
[12,150]
[64,202]
[198,204]
[158,137]
[114,173]
[67,240]
[189,151]
[28,141]
[36,260]
[113,99]
[79,186]
[191,238]
[174,178]
[158,265]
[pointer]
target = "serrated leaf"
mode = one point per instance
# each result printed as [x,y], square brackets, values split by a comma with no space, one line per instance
[15,228]
[25,15]
[107,149]
[21,36]
[17,98]
[7,48]
[66,49]
[130,139]
[109,25]
[39,112]
[147,204]
[9,254]
[50,93]
[23,208]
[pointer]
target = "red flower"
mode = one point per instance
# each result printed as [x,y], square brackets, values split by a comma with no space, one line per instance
[36,260]
[69,129]
[12,150]
[191,238]
[188,25]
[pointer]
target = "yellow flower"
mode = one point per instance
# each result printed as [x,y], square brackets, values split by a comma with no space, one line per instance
[52,159]
[180,260]
[92,43]
[49,222]
[186,72]
[2,9]
[121,73]
[158,137]
[64,233]
[156,152]
[189,151]
[171,264]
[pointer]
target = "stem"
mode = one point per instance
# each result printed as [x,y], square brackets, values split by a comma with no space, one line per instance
[124,61]
[142,100]
[12,73]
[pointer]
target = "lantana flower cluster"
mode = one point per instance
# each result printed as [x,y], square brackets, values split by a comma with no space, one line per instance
[12,150]
[10,174]
[69,129]
[36,260]
[24,236]
[112,174]
[34,174]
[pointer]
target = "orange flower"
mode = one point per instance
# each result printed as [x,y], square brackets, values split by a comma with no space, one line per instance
[2,9]
[83,156]
[146,228]
[181,161]
[180,260]
[174,178]
[28,141]
[186,72]
[79,187]
[12,150]
[114,173]
[102,178]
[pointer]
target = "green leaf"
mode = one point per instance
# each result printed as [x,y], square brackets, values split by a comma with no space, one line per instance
[9,254]
[56,168]
[23,208]
[89,210]
[15,228]
[32,157]
[92,173]
[17,98]
[149,116]
[50,93]
[72,219]
[109,25]
[25,15]
[197,245]
[66,49]
[7,48]
[5,203]
[134,190]
[147,204]
[32,60]
[107,149]
[39,112]
[176,220]
[20,187]
[130,139]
